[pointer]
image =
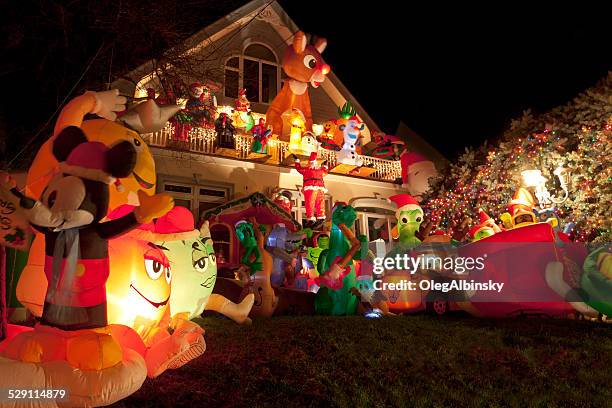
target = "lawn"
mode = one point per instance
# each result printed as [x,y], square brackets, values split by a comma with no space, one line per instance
[402,361]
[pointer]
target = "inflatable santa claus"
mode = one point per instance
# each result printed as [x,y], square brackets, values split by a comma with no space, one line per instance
[416,171]
[314,189]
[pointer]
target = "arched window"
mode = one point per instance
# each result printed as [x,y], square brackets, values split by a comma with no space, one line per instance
[256,70]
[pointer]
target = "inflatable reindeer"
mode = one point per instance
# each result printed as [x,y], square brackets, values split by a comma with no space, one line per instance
[303,64]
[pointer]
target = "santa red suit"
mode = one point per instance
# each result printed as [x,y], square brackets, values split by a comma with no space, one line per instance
[314,187]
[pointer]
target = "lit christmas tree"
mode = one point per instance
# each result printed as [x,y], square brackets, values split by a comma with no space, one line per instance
[575,138]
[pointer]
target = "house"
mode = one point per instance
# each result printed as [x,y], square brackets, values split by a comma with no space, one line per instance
[244,49]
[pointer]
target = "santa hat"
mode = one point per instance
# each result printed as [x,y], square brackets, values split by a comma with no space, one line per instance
[404,202]
[176,225]
[483,217]
[411,158]
[474,230]
[485,220]
[313,157]
[88,161]
[522,198]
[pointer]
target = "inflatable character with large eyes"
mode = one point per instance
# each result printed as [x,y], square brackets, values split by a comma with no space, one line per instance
[69,216]
[74,347]
[350,126]
[192,256]
[303,65]
[165,269]
[139,283]
[107,130]
[409,218]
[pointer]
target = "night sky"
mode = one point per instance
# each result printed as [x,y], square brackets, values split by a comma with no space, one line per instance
[457,76]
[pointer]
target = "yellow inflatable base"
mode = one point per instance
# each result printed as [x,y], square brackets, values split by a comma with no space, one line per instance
[85,388]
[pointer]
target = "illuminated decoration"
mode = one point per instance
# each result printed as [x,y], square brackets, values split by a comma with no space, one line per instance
[139,283]
[321,243]
[303,65]
[314,189]
[485,228]
[225,216]
[327,138]
[282,198]
[386,147]
[69,214]
[295,121]
[350,126]
[409,218]
[81,361]
[15,232]
[243,120]
[146,117]
[242,103]
[479,232]
[534,245]
[337,274]
[281,243]
[266,300]
[317,129]
[417,170]
[242,116]
[576,134]
[309,144]
[261,135]
[201,105]
[596,280]
[226,131]
[534,178]
[73,345]
[521,208]
[252,255]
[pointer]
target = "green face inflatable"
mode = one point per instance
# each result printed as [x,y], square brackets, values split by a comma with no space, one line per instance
[194,269]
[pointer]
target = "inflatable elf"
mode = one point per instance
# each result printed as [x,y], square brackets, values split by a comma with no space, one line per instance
[485,227]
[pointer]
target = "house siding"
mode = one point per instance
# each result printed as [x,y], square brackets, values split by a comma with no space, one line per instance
[247,177]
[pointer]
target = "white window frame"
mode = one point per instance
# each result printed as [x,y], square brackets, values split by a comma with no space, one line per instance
[195,196]
[240,70]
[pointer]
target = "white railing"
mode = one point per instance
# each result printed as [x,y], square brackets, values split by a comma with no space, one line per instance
[203,140]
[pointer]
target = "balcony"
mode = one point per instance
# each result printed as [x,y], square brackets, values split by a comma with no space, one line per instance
[203,141]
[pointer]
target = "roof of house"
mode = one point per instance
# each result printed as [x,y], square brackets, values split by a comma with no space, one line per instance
[238,19]
[256,205]
[416,143]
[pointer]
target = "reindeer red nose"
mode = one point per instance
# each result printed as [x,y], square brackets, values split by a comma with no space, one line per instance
[325,69]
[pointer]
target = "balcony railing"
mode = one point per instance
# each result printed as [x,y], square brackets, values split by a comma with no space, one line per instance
[204,141]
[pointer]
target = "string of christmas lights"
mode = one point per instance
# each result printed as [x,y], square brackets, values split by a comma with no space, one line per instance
[576,136]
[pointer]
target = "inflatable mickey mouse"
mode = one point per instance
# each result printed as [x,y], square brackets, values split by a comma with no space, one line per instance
[69,214]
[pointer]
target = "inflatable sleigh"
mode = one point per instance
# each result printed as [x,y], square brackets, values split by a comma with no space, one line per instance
[535,264]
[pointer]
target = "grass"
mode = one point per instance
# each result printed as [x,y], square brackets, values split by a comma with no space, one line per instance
[420,361]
